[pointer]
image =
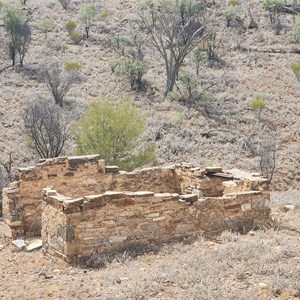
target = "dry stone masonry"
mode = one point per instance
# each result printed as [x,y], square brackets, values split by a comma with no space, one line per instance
[80,206]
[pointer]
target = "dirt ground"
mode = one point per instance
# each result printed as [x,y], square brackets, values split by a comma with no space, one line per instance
[262,264]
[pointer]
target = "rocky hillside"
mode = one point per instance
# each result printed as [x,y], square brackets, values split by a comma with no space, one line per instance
[220,129]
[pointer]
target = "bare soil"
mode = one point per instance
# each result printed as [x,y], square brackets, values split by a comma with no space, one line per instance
[262,264]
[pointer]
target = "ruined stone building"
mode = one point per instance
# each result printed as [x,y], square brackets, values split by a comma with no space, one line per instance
[80,206]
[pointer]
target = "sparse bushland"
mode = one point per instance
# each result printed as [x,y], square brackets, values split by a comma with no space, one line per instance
[87,14]
[64,3]
[174,28]
[115,130]
[59,82]
[19,32]
[46,127]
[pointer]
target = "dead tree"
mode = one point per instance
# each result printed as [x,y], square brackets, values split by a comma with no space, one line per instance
[174,28]
[47,128]
[59,82]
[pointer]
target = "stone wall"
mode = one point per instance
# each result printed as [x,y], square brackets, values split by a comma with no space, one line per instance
[75,228]
[88,175]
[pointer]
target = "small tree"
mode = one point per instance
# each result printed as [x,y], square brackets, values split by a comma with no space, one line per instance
[114,130]
[199,56]
[190,83]
[59,82]
[18,31]
[274,8]
[46,25]
[23,2]
[46,127]
[24,42]
[174,28]
[87,15]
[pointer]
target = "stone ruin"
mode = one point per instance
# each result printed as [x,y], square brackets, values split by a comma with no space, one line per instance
[80,206]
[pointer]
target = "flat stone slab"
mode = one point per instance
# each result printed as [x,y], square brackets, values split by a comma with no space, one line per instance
[213,169]
[19,243]
[111,169]
[37,244]
[75,160]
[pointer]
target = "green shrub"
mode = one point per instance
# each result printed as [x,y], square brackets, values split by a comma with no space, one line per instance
[230,14]
[133,69]
[206,97]
[189,82]
[76,37]
[258,104]
[73,66]
[173,96]
[1,4]
[115,131]
[105,14]
[234,2]
[296,69]
[70,26]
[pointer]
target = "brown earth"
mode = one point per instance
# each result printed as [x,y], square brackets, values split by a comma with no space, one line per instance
[263,264]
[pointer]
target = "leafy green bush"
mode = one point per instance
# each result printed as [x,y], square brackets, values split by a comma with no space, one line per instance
[234,2]
[70,26]
[1,4]
[173,96]
[230,14]
[115,131]
[296,69]
[133,69]
[189,82]
[258,104]
[105,14]
[76,37]
[73,66]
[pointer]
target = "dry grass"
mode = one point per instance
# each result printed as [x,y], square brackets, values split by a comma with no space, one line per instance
[242,73]
[259,265]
